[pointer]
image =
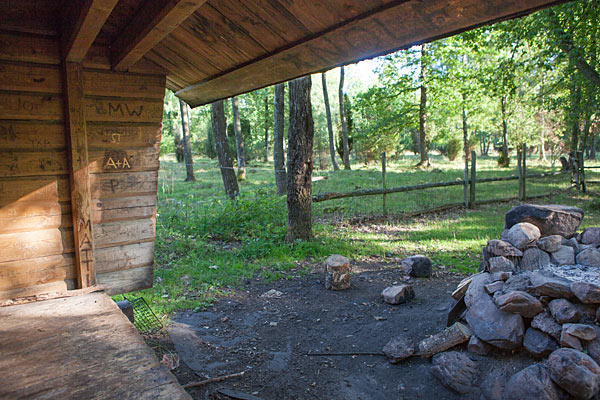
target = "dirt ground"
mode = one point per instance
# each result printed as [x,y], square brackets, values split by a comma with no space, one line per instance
[283,343]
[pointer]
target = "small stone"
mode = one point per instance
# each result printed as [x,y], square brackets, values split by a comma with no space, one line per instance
[522,234]
[337,272]
[533,383]
[520,281]
[455,370]
[398,294]
[563,311]
[580,331]
[548,284]
[538,343]
[575,372]
[452,336]
[589,257]
[500,276]
[272,294]
[567,340]
[478,346]
[563,256]
[590,236]
[534,258]
[520,303]
[586,292]
[547,324]
[398,348]
[500,263]
[550,243]
[573,243]
[420,266]
[494,287]
[497,247]
[550,219]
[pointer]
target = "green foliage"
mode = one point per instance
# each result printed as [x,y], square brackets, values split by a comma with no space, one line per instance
[503,161]
[454,148]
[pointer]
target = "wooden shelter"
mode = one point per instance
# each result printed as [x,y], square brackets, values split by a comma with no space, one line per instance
[82,86]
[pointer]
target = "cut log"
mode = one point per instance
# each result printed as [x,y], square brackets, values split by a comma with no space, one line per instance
[337,272]
[446,339]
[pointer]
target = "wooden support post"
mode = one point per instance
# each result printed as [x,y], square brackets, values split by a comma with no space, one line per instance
[520,173]
[524,171]
[580,159]
[466,183]
[79,176]
[473,179]
[383,182]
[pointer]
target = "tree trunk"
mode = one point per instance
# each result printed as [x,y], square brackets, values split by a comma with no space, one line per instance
[504,132]
[187,148]
[542,138]
[343,122]
[329,124]
[423,110]
[300,161]
[239,140]
[466,149]
[278,132]
[574,113]
[222,149]
[594,145]
[266,125]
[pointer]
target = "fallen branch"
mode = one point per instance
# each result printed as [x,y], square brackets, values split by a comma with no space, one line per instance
[211,380]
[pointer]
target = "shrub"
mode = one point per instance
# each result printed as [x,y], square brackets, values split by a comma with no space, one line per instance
[453,148]
[503,161]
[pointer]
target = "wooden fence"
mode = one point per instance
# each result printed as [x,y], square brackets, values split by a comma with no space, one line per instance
[469,183]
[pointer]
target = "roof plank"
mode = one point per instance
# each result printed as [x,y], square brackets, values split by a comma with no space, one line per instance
[155,20]
[83,21]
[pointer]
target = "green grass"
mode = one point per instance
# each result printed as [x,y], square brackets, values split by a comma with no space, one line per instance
[206,245]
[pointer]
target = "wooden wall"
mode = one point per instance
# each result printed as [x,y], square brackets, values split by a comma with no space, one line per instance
[123,113]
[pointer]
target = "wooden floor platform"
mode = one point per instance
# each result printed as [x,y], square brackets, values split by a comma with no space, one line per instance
[80,347]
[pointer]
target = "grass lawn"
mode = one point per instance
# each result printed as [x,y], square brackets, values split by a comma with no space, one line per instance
[207,245]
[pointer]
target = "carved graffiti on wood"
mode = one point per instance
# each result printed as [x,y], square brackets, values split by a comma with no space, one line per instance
[7,133]
[119,109]
[115,160]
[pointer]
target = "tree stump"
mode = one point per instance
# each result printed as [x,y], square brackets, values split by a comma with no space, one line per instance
[337,272]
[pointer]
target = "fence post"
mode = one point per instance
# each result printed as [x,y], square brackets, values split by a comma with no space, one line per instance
[520,173]
[383,182]
[466,182]
[473,178]
[524,168]
[581,169]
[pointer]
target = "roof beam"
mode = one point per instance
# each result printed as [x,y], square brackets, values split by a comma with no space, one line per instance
[155,20]
[83,21]
[396,25]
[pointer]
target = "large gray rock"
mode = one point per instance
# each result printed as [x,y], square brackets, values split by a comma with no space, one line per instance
[589,257]
[492,387]
[587,293]
[398,294]
[534,258]
[563,256]
[519,302]
[398,348]
[500,264]
[580,331]
[538,343]
[498,328]
[550,243]
[545,283]
[419,266]
[533,383]
[478,346]
[522,234]
[455,370]
[497,247]
[547,324]
[575,372]
[590,236]
[550,219]
[564,311]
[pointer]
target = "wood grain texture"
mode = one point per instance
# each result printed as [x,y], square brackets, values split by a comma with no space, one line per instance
[124,208]
[39,188]
[78,347]
[37,271]
[82,21]
[115,84]
[124,232]
[127,280]
[48,107]
[30,78]
[30,135]
[120,136]
[122,110]
[154,21]
[25,245]
[123,184]
[32,163]
[382,29]
[83,231]
[31,291]
[118,258]
[29,48]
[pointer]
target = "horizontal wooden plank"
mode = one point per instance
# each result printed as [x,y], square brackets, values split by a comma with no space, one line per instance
[123,184]
[25,209]
[127,280]
[123,208]
[32,163]
[123,232]
[117,258]
[29,16]
[35,223]
[113,160]
[36,271]
[31,106]
[53,287]
[122,136]
[31,135]
[29,48]
[25,245]
[98,57]
[39,188]
[118,84]
[30,78]
[123,110]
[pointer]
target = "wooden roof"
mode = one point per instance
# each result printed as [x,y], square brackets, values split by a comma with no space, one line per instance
[215,49]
